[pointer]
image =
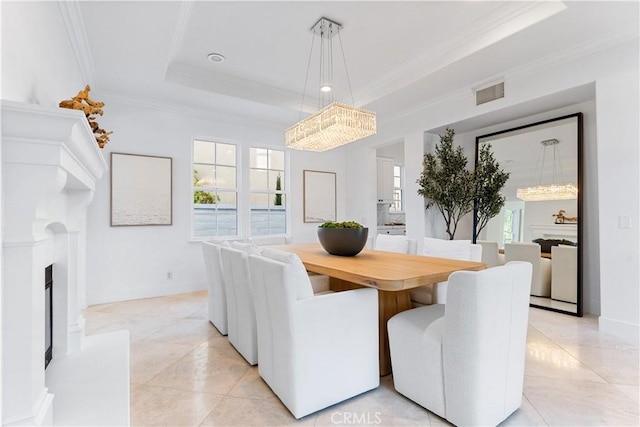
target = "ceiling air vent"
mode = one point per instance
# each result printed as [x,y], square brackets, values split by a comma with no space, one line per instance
[490,93]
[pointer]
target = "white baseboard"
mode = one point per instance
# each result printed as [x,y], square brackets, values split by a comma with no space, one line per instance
[76,333]
[43,413]
[626,331]
[125,294]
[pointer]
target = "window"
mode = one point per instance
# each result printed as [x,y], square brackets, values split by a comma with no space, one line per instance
[507,232]
[511,228]
[396,206]
[215,189]
[267,192]
[238,191]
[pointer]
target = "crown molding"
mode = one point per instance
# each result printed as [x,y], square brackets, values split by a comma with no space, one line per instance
[74,24]
[186,110]
[506,20]
[178,34]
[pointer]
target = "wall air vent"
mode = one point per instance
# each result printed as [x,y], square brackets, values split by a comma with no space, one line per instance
[490,93]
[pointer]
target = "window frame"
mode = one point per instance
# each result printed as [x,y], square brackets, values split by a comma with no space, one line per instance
[243,190]
[285,192]
[392,209]
[237,189]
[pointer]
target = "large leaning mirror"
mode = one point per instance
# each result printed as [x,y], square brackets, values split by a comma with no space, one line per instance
[540,219]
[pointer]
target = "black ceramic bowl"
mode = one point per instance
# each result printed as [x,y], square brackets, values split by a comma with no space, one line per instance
[343,241]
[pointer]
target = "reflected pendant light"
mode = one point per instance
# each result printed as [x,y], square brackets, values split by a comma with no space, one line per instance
[553,191]
[336,124]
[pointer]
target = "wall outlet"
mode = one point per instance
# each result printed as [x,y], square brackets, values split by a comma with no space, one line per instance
[169,275]
[624,221]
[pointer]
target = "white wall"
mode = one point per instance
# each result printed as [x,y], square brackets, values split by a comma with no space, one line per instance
[133,262]
[415,212]
[393,151]
[361,173]
[619,191]
[530,93]
[1,249]
[328,161]
[38,65]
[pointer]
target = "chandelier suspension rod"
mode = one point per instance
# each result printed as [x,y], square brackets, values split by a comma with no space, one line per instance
[544,158]
[344,61]
[320,94]
[330,62]
[560,173]
[306,78]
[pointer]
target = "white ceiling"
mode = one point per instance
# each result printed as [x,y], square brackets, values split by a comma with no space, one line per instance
[399,54]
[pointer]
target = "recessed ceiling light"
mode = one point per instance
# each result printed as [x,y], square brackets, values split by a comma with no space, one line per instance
[216,58]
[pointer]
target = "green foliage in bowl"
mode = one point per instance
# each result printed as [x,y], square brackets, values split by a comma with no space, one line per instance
[345,224]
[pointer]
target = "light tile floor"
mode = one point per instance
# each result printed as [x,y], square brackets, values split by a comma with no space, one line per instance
[184,373]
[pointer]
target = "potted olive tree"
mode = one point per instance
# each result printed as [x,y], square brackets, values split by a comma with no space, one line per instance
[490,180]
[448,185]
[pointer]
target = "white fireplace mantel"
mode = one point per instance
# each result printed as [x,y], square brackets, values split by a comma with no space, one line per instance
[50,165]
[555,231]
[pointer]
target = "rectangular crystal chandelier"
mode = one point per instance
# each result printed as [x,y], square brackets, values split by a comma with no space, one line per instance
[335,125]
[544,192]
[540,193]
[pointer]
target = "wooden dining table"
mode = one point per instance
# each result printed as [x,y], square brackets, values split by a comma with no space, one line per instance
[392,274]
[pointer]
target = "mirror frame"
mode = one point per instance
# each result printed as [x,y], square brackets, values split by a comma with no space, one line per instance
[579,142]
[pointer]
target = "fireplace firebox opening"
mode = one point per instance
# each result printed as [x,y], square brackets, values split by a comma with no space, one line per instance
[48,315]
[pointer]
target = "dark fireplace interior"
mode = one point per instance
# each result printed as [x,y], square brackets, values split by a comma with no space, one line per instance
[48,315]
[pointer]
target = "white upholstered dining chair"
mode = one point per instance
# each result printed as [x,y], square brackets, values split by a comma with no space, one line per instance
[217,299]
[313,351]
[490,254]
[270,240]
[320,283]
[240,307]
[465,360]
[395,243]
[462,250]
[530,252]
[564,273]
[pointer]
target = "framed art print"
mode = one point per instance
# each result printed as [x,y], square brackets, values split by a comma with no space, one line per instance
[319,196]
[141,192]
